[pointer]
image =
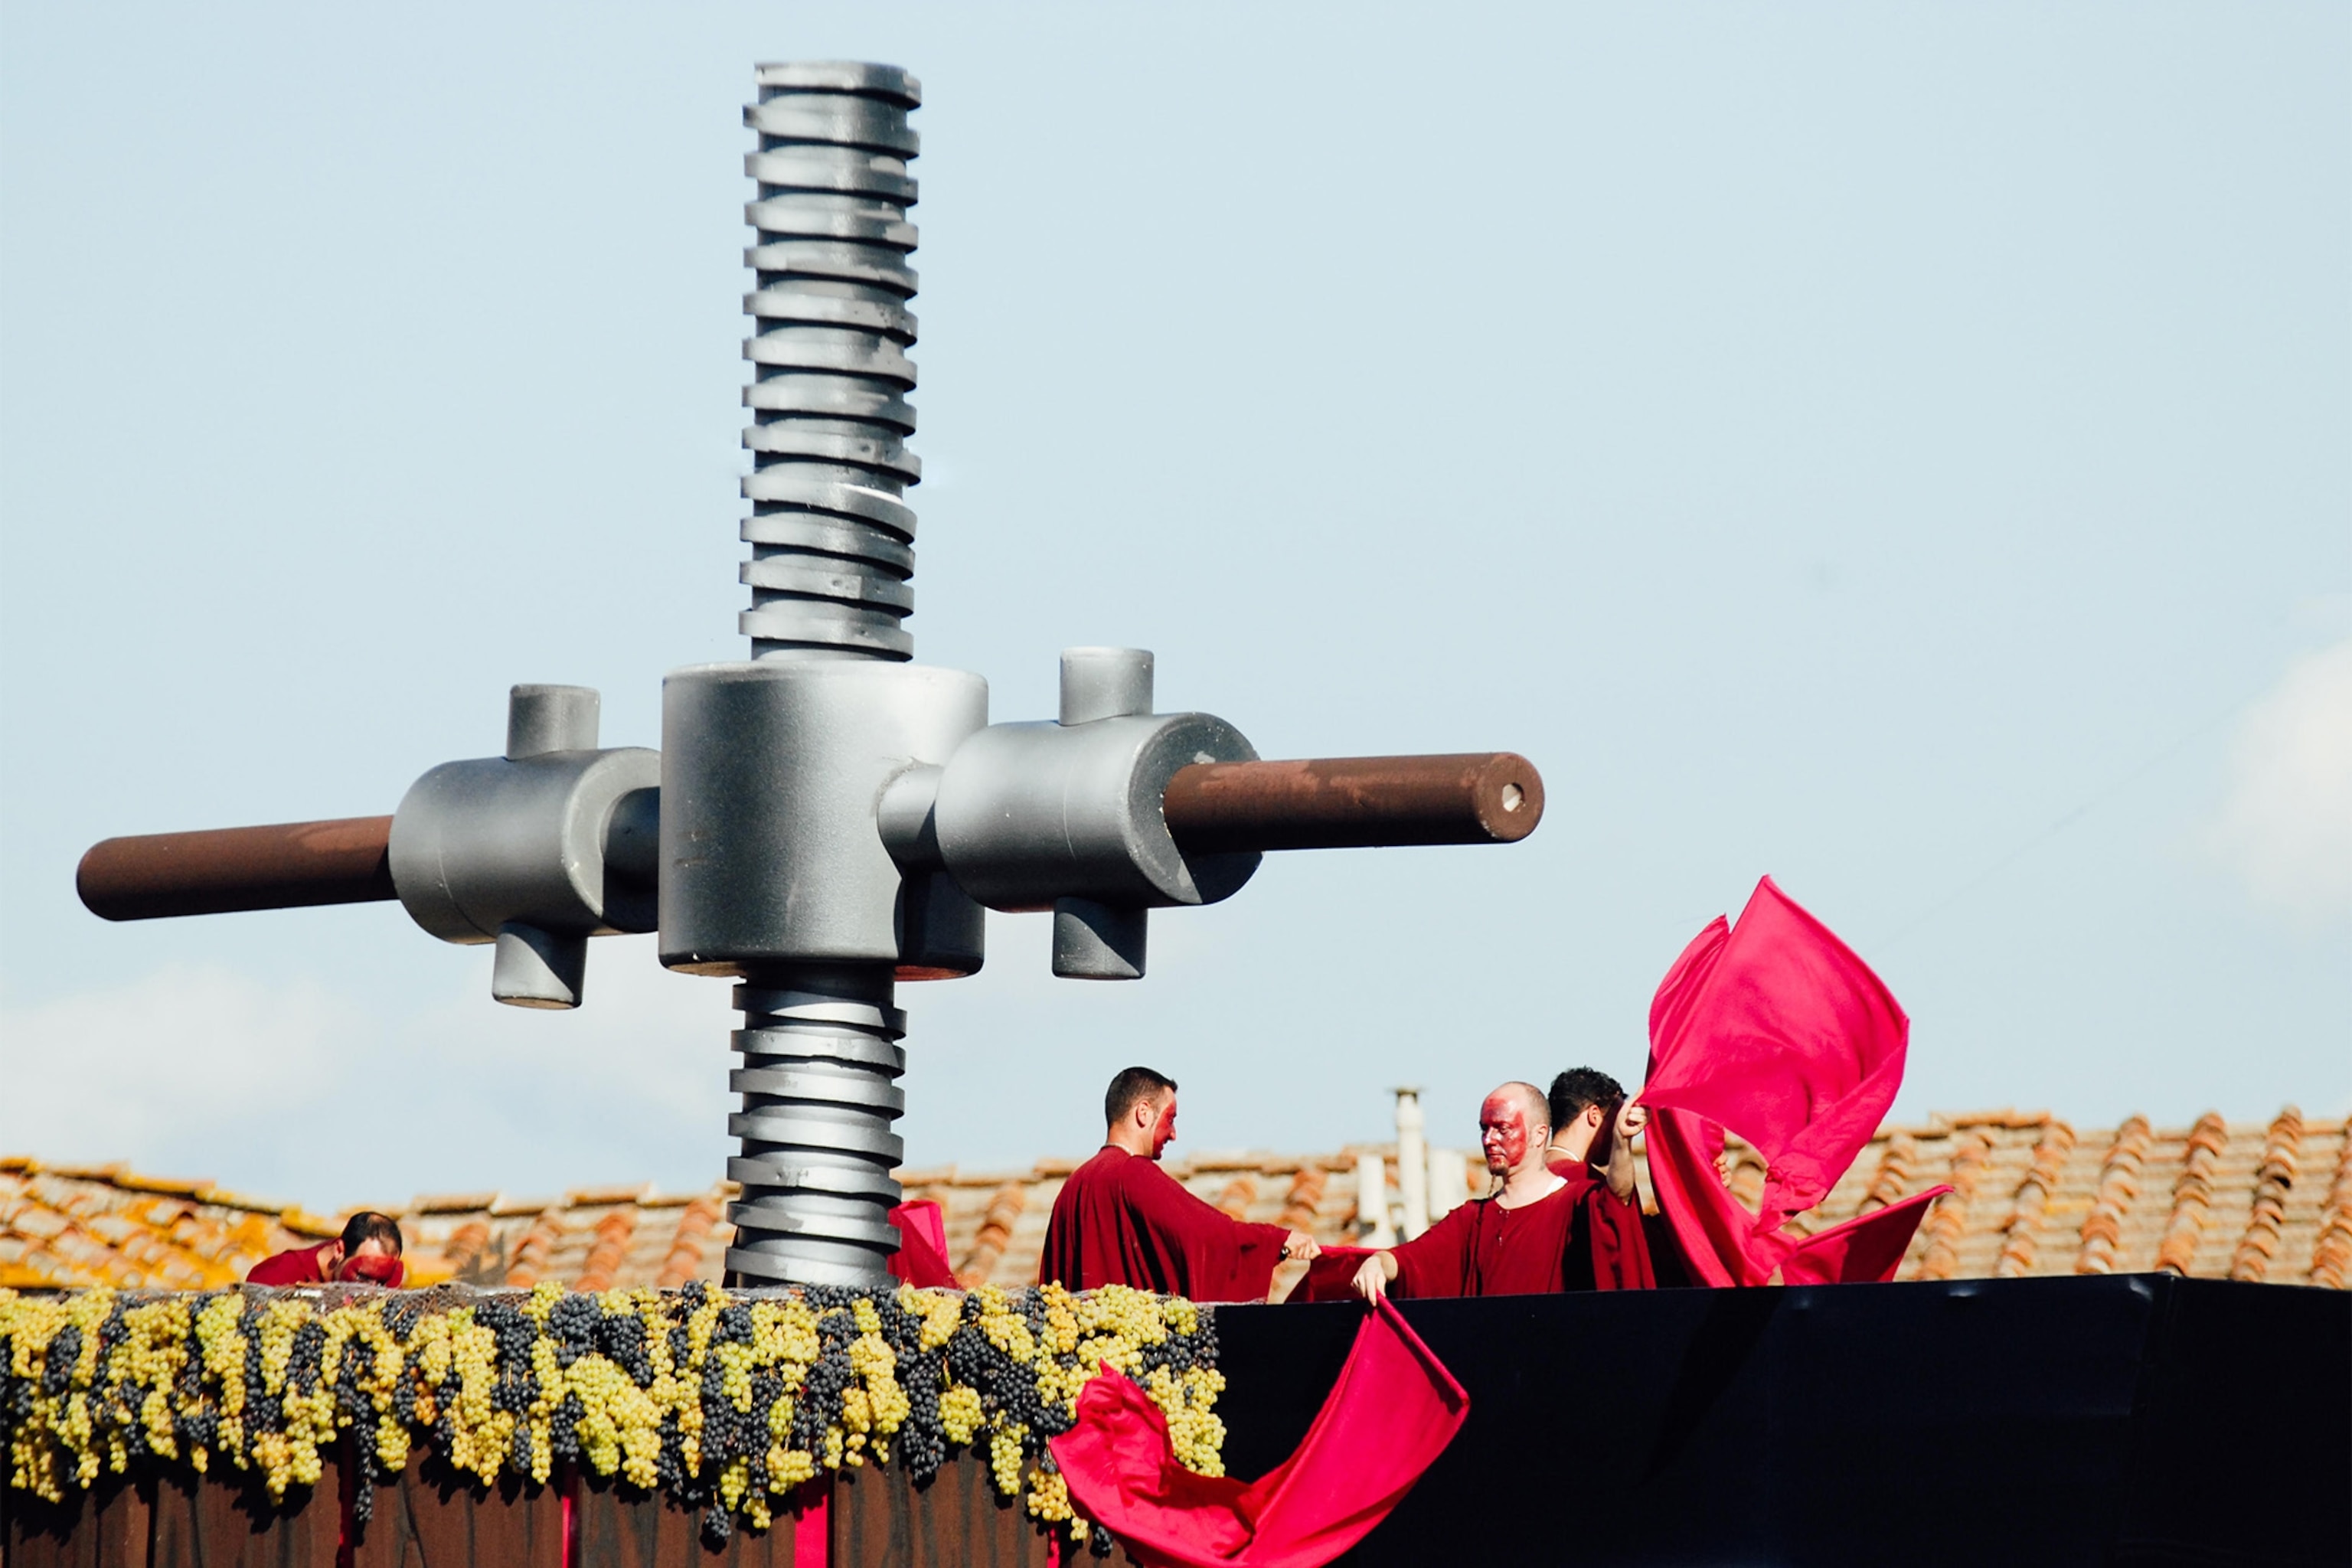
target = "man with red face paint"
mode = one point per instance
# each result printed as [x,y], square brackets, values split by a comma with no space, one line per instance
[1122,1220]
[1531,1236]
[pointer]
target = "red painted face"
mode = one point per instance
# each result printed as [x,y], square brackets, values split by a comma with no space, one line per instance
[1503,1133]
[1164,1130]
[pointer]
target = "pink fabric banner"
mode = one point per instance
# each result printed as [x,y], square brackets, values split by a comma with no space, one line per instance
[1777,1030]
[922,1255]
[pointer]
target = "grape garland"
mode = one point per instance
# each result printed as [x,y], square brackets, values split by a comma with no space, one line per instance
[726,1401]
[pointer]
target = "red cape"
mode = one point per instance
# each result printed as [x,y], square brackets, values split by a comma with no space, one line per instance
[1122,1220]
[1777,1030]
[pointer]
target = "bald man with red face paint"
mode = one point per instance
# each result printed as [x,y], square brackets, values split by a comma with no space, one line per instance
[1534,1234]
[1122,1220]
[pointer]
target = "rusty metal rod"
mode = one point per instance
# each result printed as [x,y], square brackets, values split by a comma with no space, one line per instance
[1347,803]
[1331,803]
[286,865]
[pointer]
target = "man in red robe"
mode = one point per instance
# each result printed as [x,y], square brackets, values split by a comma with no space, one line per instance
[1122,1220]
[1540,1232]
[368,1251]
[1592,1133]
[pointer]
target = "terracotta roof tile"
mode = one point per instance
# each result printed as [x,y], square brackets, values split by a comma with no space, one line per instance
[2021,1236]
[2270,1201]
[2331,1250]
[591,1197]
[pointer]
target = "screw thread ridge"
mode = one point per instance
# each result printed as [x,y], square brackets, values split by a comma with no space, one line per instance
[831,533]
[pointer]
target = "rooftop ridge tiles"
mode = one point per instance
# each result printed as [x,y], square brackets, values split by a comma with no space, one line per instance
[996,1178]
[515,1207]
[2015,1120]
[597,1197]
[451,1202]
[1209,1159]
[134,1181]
[224,1198]
[2110,1203]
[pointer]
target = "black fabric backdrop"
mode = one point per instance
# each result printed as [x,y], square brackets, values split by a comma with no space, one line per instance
[2137,1418]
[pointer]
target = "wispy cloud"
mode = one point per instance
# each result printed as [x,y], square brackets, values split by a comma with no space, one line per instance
[2286,827]
[282,1086]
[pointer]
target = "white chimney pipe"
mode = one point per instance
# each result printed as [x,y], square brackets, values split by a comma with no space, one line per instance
[1412,1163]
[1449,1181]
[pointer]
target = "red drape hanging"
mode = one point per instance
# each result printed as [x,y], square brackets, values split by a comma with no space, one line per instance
[1774,1029]
[922,1255]
[1393,1410]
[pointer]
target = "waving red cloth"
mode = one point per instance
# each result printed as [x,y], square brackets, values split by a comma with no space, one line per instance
[1122,1220]
[1866,1249]
[922,1255]
[1393,1412]
[1582,1237]
[1777,1031]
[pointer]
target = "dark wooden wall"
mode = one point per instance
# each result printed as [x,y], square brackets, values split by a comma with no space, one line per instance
[431,1519]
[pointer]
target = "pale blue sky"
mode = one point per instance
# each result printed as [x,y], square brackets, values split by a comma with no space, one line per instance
[1899,448]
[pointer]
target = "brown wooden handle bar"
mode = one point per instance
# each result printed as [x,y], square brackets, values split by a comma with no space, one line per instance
[1354,803]
[1336,803]
[286,866]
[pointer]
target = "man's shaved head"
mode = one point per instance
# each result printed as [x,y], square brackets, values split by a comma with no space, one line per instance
[1530,1099]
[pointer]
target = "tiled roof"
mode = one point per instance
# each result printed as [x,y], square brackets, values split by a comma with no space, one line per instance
[2033,1196]
[104,1225]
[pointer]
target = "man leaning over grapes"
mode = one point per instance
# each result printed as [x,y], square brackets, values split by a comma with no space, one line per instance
[368,1252]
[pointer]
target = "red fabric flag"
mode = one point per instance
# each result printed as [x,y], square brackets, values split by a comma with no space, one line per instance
[1328,1275]
[1866,1249]
[1121,1220]
[1774,1029]
[1393,1410]
[812,1524]
[1581,1237]
[922,1257]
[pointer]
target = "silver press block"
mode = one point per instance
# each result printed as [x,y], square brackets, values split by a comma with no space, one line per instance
[1029,814]
[772,780]
[1105,683]
[513,849]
